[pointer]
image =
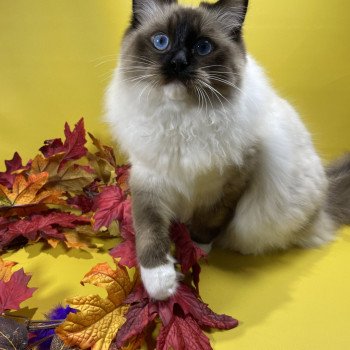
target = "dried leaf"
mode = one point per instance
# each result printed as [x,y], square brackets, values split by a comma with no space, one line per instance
[123,173]
[29,192]
[48,225]
[182,333]
[6,270]
[98,319]
[126,253]
[72,240]
[104,152]
[13,336]
[116,282]
[104,171]
[138,317]
[191,305]
[73,147]
[187,253]
[110,205]
[69,177]
[13,166]
[15,291]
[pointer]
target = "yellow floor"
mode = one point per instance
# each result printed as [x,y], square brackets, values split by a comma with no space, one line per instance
[55,60]
[298,300]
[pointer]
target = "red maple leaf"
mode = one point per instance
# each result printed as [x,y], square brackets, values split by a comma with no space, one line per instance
[190,304]
[187,253]
[7,178]
[111,204]
[138,318]
[46,225]
[73,147]
[126,252]
[52,147]
[185,305]
[15,291]
[182,334]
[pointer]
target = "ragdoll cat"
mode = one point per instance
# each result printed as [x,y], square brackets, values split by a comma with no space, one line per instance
[211,143]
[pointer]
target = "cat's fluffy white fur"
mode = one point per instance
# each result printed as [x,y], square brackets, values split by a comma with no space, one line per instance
[175,148]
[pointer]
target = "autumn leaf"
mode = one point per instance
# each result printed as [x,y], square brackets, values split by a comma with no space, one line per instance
[6,270]
[126,253]
[47,226]
[138,317]
[103,161]
[29,192]
[191,305]
[12,167]
[187,253]
[123,173]
[104,152]
[110,205]
[98,320]
[74,240]
[69,177]
[72,179]
[182,333]
[15,291]
[74,146]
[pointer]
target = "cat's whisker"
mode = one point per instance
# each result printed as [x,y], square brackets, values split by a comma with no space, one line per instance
[202,100]
[154,85]
[217,94]
[138,59]
[234,86]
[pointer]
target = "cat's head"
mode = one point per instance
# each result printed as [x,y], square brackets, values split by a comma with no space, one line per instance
[199,49]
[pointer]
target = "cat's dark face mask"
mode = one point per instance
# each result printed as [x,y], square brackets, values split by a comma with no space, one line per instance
[202,48]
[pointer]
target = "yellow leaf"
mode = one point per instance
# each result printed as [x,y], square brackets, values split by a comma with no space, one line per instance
[94,325]
[74,241]
[98,320]
[53,242]
[116,282]
[29,191]
[5,270]
[49,165]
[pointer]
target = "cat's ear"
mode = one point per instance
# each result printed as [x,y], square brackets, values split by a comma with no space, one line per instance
[144,10]
[230,13]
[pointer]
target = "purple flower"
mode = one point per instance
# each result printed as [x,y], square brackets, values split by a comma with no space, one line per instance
[58,313]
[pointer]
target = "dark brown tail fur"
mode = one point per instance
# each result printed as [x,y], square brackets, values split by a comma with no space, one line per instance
[338,204]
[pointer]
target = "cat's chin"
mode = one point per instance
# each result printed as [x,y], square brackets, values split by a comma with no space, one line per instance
[175,91]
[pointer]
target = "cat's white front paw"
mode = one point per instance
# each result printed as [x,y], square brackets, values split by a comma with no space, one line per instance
[160,282]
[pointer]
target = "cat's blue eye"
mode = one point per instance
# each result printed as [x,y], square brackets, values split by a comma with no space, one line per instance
[204,47]
[161,41]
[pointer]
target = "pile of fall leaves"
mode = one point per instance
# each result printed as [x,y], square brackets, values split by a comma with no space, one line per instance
[68,194]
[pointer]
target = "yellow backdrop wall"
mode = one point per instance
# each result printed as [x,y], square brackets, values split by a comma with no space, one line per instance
[56,58]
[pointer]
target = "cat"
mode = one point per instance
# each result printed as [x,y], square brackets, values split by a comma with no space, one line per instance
[212,144]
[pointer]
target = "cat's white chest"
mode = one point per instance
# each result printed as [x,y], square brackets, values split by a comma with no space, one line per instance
[163,131]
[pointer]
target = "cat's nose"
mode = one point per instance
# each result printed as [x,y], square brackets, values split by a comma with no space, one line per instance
[179,62]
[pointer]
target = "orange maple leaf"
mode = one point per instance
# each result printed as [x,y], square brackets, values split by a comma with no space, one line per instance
[98,319]
[6,270]
[28,192]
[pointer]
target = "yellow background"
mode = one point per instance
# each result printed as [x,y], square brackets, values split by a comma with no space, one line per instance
[56,57]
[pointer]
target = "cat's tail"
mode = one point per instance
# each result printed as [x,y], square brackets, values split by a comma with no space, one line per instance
[338,201]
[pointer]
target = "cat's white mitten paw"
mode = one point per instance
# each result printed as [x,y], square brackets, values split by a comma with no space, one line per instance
[160,282]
